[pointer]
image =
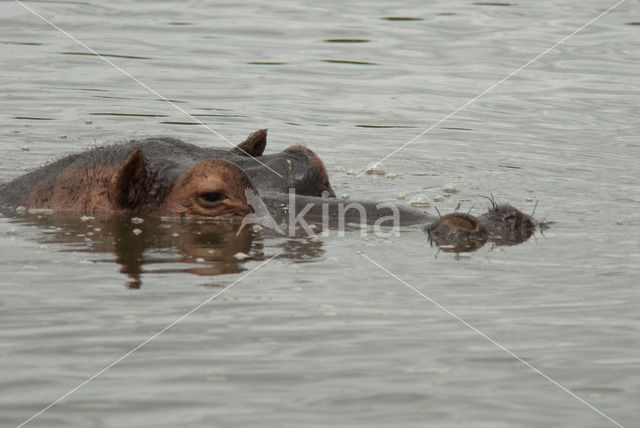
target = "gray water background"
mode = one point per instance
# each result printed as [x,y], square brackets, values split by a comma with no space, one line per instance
[323,337]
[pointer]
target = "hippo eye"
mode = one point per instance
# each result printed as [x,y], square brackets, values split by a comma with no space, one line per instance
[211,198]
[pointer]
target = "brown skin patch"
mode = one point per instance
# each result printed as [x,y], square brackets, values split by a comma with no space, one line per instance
[458,233]
[212,188]
[128,186]
[461,221]
[74,189]
[254,145]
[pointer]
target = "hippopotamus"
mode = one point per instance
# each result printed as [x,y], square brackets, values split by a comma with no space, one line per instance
[503,224]
[168,177]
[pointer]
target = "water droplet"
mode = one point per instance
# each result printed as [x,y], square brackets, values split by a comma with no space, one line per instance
[376,168]
[240,255]
[450,188]
[420,201]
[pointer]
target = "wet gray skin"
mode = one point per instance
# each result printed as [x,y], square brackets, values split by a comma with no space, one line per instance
[456,232]
[279,207]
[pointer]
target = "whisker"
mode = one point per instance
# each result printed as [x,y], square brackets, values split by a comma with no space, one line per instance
[491,199]
[534,207]
[473,205]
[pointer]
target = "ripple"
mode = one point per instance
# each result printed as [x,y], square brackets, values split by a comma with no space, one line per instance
[9,42]
[33,118]
[384,126]
[343,61]
[491,4]
[346,41]
[218,115]
[105,55]
[180,123]
[266,63]
[401,18]
[84,3]
[129,114]
[453,128]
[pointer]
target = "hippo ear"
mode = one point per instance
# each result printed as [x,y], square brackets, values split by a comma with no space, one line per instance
[254,144]
[127,188]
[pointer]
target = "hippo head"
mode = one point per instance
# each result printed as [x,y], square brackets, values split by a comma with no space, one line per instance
[297,167]
[211,188]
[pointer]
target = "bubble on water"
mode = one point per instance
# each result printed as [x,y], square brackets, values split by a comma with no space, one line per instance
[86,218]
[376,168]
[21,210]
[26,148]
[136,220]
[438,198]
[450,188]
[29,267]
[420,201]
[13,232]
[257,228]
[199,260]
[136,231]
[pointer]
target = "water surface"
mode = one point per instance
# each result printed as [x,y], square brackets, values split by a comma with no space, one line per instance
[320,335]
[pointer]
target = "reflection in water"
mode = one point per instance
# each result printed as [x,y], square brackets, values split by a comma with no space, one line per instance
[210,248]
[215,248]
[463,241]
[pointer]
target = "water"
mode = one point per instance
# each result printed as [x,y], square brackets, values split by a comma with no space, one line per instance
[320,335]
